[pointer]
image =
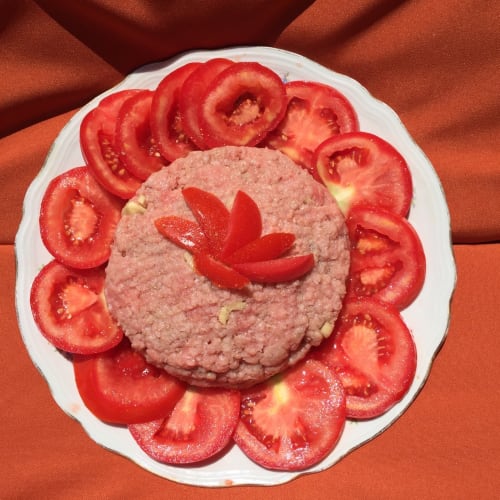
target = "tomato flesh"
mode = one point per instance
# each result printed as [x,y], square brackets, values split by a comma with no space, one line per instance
[78,219]
[219,273]
[135,143]
[69,308]
[200,426]
[191,96]
[183,232]
[315,112]
[294,420]
[166,124]
[120,387]
[362,169]
[387,258]
[241,105]
[99,147]
[373,353]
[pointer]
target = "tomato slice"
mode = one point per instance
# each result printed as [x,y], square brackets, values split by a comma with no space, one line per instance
[98,145]
[387,258]
[69,308]
[244,225]
[191,95]
[200,426]
[119,387]
[211,214]
[362,169]
[241,105]
[276,270]
[373,353]
[183,232]
[166,125]
[219,273]
[294,420]
[314,113]
[267,247]
[78,219]
[140,154]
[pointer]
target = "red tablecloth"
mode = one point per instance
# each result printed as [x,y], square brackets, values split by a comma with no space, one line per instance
[436,63]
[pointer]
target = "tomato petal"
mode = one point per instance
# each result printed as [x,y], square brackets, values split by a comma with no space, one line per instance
[245,224]
[183,232]
[211,214]
[218,273]
[267,247]
[276,270]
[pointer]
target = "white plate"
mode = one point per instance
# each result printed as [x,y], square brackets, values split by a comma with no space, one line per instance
[427,317]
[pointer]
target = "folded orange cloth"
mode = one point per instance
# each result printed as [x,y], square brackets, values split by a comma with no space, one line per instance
[435,63]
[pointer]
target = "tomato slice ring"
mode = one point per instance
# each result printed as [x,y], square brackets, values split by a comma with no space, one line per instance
[241,105]
[98,145]
[191,95]
[200,426]
[387,258]
[315,112]
[294,420]
[166,124]
[69,308]
[133,136]
[119,387]
[372,351]
[78,219]
[360,168]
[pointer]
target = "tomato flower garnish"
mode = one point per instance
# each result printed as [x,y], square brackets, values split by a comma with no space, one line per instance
[228,247]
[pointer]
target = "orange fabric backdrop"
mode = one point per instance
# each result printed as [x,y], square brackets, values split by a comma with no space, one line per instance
[437,64]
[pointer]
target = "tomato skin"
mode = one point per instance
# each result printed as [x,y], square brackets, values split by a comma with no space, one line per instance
[69,308]
[166,124]
[362,169]
[241,105]
[183,232]
[98,145]
[387,258]
[119,387]
[373,352]
[294,420]
[78,219]
[191,95]
[133,136]
[200,426]
[219,273]
[314,113]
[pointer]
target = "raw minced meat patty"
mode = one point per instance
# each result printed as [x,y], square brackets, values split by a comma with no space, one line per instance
[209,336]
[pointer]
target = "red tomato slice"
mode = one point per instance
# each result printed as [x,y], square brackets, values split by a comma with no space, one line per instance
[98,145]
[314,113]
[294,420]
[166,125]
[387,258]
[241,105]
[191,95]
[276,270]
[183,232]
[200,426]
[362,169]
[267,247]
[373,353]
[69,308]
[78,219]
[134,141]
[120,387]
[218,273]
[211,214]
[244,226]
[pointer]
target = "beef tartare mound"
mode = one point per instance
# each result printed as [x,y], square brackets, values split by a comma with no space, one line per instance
[210,336]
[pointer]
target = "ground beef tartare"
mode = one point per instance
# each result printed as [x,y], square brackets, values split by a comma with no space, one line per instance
[206,335]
